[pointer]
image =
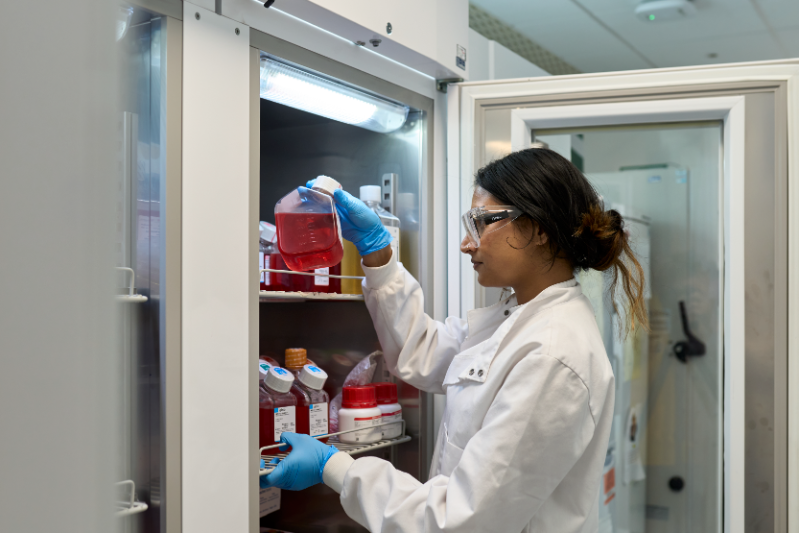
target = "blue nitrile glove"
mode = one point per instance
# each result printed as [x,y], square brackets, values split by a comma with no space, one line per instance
[303,467]
[359,224]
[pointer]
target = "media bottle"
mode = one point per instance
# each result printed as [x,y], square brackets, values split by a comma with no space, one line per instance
[313,413]
[390,409]
[308,228]
[283,414]
[295,361]
[351,264]
[359,410]
[371,196]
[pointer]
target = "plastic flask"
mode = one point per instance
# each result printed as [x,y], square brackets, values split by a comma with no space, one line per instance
[266,248]
[391,410]
[359,410]
[283,416]
[308,229]
[371,196]
[313,416]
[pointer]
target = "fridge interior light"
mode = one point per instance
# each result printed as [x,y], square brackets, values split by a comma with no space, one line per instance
[290,86]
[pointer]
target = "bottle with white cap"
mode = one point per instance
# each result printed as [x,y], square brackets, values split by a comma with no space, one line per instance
[312,401]
[283,417]
[308,228]
[371,196]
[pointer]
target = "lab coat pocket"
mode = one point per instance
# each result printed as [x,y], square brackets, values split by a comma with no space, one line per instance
[450,455]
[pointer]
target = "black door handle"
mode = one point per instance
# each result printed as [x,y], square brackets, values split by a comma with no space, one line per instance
[692,346]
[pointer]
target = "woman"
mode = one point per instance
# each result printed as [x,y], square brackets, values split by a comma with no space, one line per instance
[529,386]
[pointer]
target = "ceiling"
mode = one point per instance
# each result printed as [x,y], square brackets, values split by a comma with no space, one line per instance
[605,35]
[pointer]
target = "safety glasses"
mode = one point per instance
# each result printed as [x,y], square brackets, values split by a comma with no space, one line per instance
[481,220]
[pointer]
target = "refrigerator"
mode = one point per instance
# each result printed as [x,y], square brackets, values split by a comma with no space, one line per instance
[234,154]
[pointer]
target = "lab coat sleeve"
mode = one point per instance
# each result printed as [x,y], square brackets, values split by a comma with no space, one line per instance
[417,348]
[537,427]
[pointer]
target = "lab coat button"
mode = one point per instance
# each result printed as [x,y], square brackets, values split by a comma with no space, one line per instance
[471,371]
[480,373]
[507,312]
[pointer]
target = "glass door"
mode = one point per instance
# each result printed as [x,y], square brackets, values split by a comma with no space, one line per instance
[663,178]
[693,166]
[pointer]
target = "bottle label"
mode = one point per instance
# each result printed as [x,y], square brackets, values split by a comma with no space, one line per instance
[395,236]
[318,419]
[267,277]
[368,422]
[395,430]
[285,420]
[261,265]
[322,281]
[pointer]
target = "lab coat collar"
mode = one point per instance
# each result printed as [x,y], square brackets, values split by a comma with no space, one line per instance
[474,363]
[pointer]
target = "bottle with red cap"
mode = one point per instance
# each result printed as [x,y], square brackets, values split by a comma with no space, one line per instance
[359,410]
[391,410]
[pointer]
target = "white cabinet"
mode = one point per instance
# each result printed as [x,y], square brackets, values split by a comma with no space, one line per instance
[430,36]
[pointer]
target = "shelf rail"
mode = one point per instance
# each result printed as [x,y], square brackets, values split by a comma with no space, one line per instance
[129,506]
[336,276]
[351,449]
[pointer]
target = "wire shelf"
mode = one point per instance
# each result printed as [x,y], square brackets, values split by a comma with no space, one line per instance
[281,296]
[130,506]
[284,296]
[351,449]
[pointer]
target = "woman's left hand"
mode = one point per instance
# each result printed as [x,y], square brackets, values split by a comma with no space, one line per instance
[303,467]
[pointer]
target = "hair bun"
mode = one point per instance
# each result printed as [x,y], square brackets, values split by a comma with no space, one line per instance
[601,234]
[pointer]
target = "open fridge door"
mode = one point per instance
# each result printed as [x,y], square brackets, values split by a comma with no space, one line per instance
[685,155]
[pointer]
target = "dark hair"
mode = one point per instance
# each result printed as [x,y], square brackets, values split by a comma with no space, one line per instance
[553,193]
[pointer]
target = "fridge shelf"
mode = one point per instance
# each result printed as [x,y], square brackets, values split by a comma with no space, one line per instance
[280,296]
[130,506]
[130,297]
[351,449]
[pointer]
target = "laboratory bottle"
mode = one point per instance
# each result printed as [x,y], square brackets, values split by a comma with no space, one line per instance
[266,248]
[371,196]
[322,283]
[359,410]
[271,361]
[308,228]
[391,410]
[313,417]
[295,359]
[283,416]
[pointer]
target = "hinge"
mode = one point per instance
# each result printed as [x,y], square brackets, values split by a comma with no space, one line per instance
[441,85]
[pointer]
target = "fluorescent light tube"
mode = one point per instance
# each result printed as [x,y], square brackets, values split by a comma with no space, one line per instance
[290,86]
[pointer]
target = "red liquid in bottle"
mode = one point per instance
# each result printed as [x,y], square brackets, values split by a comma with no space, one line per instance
[281,282]
[308,241]
[303,401]
[325,284]
[266,420]
[307,397]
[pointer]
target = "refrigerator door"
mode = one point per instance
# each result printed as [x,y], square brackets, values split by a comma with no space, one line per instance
[697,162]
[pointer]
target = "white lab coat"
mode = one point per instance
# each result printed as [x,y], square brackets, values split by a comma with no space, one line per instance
[529,408]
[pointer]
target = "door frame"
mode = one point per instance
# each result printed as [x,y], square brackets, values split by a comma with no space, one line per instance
[569,97]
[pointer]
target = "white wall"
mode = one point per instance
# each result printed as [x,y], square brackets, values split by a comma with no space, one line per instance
[489,60]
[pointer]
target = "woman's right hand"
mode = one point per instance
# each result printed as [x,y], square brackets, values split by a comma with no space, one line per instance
[359,224]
